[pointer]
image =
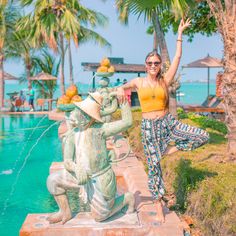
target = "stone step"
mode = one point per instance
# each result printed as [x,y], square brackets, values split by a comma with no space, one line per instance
[84,224]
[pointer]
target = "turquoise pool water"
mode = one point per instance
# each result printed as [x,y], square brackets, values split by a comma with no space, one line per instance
[23,173]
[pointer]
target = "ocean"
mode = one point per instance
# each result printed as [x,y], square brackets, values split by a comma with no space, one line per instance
[191,93]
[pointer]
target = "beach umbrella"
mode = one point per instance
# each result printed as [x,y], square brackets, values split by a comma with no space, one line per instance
[206,62]
[8,76]
[43,76]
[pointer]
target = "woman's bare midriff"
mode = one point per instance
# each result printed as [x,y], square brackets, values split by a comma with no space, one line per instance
[154,114]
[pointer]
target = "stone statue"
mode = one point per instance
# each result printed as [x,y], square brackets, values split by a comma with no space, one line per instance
[87,164]
[108,107]
[109,102]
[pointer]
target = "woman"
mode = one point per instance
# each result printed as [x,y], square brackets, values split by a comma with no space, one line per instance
[159,127]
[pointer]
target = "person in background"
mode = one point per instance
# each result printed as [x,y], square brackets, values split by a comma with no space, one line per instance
[159,128]
[31,98]
[22,97]
[19,103]
[118,83]
[127,92]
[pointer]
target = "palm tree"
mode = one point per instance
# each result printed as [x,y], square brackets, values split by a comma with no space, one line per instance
[87,35]
[8,17]
[48,63]
[49,21]
[20,47]
[152,11]
[52,21]
[225,15]
[71,77]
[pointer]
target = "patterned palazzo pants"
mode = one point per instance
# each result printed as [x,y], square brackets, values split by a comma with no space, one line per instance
[156,135]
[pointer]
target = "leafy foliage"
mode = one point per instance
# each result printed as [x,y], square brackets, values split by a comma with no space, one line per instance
[206,122]
[203,121]
[47,63]
[169,14]
[146,8]
[9,14]
[52,17]
[202,20]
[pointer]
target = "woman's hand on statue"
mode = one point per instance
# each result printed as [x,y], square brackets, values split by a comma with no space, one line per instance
[121,95]
[112,95]
[183,25]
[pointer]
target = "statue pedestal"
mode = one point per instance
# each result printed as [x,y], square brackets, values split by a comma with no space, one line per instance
[83,224]
[130,176]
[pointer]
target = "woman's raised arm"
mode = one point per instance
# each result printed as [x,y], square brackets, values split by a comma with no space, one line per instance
[169,76]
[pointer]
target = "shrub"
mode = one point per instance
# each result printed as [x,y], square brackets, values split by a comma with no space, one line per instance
[203,121]
[181,113]
[206,122]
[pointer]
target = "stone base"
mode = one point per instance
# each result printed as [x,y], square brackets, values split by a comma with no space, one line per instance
[82,224]
[118,225]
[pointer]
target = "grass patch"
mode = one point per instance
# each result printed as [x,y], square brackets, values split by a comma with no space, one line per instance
[204,186]
[187,179]
[213,203]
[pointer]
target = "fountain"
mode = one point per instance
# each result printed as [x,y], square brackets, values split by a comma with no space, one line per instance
[13,186]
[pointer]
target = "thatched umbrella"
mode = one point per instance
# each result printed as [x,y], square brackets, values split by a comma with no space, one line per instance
[206,62]
[43,76]
[7,76]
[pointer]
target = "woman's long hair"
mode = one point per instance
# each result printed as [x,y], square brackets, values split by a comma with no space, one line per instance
[160,76]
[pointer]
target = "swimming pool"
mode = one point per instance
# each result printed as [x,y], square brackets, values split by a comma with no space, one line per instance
[26,153]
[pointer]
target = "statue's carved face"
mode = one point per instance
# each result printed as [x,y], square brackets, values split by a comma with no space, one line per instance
[103,82]
[79,119]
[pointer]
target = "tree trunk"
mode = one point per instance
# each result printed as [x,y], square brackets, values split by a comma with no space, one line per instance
[160,39]
[28,69]
[166,59]
[62,65]
[70,63]
[225,18]
[172,98]
[229,88]
[229,96]
[155,44]
[2,82]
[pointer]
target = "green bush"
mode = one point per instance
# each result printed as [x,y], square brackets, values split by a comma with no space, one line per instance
[181,113]
[206,122]
[203,121]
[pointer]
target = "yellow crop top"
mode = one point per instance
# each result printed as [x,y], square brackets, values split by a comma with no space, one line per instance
[152,99]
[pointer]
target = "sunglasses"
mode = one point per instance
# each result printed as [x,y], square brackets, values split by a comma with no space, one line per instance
[155,63]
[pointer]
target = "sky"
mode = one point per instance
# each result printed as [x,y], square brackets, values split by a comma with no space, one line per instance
[133,43]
